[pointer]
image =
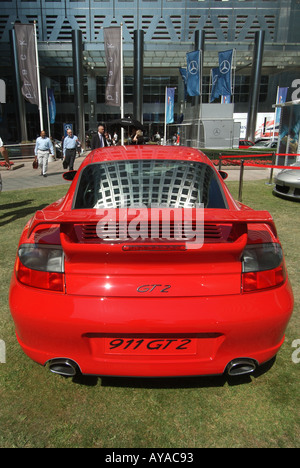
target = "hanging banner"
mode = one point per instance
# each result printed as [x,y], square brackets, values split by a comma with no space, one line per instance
[216,87]
[112,45]
[183,73]
[51,105]
[193,73]
[225,67]
[26,52]
[170,96]
[280,99]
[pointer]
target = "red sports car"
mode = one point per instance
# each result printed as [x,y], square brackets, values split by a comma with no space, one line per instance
[149,267]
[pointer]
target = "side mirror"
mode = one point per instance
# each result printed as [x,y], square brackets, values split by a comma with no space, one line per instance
[69,175]
[223,174]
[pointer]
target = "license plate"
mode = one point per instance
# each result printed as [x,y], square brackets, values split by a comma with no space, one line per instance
[151,346]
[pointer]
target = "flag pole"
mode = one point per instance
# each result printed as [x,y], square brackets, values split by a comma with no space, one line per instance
[122,85]
[38,79]
[48,114]
[200,96]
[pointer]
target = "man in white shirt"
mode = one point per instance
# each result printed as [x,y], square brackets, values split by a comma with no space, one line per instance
[3,151]
[70,145]
[43,147]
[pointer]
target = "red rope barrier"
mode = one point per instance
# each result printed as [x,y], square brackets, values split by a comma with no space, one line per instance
[247,156]
[271,166]
[288,154]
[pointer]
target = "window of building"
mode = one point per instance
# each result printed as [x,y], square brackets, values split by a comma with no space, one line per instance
[63,87]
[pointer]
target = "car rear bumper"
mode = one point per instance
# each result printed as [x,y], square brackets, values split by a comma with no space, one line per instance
[53,325]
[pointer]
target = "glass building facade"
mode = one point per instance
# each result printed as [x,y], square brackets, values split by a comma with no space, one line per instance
[169,33]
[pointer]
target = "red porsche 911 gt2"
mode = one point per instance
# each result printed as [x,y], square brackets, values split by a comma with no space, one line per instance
[148,267]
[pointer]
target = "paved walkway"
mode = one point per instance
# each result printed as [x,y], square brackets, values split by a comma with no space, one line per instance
[26,177]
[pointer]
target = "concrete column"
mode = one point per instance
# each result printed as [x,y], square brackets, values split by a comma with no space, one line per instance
[255,84]
[78,84]
[138,75]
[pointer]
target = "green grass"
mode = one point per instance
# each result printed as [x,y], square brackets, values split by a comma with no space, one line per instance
[40,409]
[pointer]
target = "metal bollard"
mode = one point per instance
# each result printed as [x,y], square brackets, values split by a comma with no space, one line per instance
[241,181]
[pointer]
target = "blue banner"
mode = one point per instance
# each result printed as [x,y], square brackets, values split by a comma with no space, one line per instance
[193,73]
[52,105]
[67,126]
[281,98]
[170,97]
[225,66]
[216,87]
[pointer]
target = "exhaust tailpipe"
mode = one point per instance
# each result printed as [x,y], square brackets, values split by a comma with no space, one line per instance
[65,367]
[241,366]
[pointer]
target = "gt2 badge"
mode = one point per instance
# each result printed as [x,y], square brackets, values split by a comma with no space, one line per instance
[148,288]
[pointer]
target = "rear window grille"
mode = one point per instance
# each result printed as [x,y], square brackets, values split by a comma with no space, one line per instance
[149,183]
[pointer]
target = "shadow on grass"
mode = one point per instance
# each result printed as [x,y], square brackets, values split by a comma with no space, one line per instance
[11,206]
[19,213]
[174,382]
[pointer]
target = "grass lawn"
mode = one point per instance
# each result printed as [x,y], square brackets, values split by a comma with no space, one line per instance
[39,409]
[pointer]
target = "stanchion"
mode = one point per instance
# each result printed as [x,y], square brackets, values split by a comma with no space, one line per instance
[271,171]
[220,161]
[241,181]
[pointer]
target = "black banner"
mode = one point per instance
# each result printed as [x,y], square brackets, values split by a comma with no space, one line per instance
[26,48]
[112,43]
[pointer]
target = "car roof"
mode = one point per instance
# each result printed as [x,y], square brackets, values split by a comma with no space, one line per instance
[131,152]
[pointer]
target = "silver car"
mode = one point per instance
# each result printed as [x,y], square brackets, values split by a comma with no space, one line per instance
[287,183]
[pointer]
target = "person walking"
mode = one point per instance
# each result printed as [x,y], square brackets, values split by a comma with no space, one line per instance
[3,151]
[70,145]
[99,140]
[43,148]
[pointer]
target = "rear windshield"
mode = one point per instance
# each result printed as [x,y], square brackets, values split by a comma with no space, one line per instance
[150,183]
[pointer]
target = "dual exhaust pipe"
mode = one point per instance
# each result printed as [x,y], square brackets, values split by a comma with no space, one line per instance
[69,368]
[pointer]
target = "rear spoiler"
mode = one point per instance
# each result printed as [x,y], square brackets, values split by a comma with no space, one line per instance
[217,216]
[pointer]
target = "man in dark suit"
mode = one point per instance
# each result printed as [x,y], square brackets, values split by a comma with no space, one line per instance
[99,140]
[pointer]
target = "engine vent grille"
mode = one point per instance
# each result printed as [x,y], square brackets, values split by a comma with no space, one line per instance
[151,232]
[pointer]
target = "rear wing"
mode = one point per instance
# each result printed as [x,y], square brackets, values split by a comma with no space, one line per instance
[215,216]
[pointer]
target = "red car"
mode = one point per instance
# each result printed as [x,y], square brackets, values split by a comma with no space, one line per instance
[149,267]
[244,144]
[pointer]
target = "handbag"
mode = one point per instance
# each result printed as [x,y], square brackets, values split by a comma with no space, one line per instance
[35,164]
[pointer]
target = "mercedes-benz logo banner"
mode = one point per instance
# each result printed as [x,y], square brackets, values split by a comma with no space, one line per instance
[225,66]
[221,77]
[194,73]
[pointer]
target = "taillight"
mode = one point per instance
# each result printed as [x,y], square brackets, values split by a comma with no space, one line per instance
[263,267]
[41,266]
